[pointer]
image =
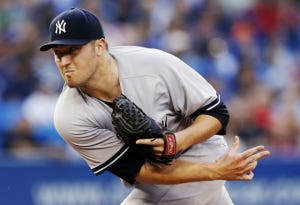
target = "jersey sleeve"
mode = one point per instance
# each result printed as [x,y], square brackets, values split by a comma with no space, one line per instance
[85,124]
[216,109]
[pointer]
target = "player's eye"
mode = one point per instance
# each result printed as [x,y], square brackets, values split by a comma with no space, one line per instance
[58,55]
[73,49]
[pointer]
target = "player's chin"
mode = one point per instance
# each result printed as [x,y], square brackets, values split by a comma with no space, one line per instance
[72,83]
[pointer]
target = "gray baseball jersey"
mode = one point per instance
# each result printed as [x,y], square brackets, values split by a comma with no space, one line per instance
[169,91]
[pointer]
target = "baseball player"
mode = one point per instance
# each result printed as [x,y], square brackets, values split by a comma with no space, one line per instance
[169,91]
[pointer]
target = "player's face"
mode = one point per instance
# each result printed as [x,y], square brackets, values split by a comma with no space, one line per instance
[76,64]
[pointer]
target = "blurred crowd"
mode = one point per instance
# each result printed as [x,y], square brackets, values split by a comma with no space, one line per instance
[248,50]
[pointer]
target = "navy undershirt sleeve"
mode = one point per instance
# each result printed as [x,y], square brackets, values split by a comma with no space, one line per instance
[128,166]
[216,109]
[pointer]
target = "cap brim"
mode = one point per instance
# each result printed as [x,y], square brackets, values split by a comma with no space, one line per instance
[64,42]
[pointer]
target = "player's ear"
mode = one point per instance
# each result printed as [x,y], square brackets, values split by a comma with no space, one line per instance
[100,45]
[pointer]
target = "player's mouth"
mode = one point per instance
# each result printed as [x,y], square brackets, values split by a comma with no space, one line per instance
[68,72]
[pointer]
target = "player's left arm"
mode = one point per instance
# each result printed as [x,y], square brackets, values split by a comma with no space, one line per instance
[207,121]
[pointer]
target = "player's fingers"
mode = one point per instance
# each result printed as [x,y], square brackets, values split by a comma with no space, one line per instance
[152,142]
[257,156]
[250,163]
[158,151]
[235,144]
[250,167]
[156,143]
[143,141]
[254,151]
[262,154]
[247,176]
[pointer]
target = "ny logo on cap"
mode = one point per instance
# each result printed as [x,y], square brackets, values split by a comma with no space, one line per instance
[60,27]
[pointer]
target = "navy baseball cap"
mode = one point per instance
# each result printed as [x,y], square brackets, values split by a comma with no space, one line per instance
[75,26]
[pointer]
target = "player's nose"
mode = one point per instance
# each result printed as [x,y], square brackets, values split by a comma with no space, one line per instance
[65,60]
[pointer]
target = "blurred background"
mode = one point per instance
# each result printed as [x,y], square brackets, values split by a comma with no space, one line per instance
[248,50]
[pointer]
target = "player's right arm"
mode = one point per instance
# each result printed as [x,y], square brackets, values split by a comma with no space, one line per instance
[231,166]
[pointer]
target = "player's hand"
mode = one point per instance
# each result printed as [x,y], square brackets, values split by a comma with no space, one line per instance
[240,166]
[157,144]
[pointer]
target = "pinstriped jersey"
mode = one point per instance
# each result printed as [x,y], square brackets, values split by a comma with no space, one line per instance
[166,88]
